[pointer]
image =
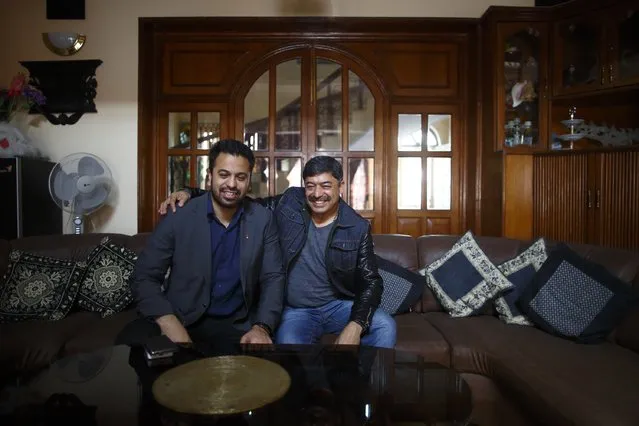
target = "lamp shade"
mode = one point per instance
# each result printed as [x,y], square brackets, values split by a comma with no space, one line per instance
[64,43]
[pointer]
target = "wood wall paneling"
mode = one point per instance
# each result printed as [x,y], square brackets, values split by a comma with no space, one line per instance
[205,68]
[518,197]
[420,69]
[413,61]
[489,163]
[438,225]
[410,226]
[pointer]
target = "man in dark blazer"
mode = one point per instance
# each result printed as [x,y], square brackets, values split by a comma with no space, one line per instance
[226,279]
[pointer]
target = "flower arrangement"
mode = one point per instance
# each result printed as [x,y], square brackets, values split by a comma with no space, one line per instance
[20,96]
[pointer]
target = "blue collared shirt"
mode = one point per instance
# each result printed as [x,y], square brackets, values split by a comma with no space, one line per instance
[226,287]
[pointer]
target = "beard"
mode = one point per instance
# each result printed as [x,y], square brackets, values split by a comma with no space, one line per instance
[227,198]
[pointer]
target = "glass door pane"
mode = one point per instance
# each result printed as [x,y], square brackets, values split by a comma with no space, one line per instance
[628,50]
[256,116]
[179,132]
[208,129]
[409,132]
[288,173]
[438,183]
[361,179]
[288,101]
[259,178]
[438,138]
[409,183]
[580,60]
[361,114]
[521,87]
[328,103]
[178,173]
[202,172]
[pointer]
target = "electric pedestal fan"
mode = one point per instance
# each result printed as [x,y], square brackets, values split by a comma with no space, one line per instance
[80,184]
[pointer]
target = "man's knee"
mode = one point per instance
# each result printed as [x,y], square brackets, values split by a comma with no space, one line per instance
[291,336]
[383,329]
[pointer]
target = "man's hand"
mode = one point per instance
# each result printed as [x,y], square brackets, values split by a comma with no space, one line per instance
[256,335]
[180,197]
[350,335]
[173,329]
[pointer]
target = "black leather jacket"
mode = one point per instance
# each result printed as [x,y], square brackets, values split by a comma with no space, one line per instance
[350,258]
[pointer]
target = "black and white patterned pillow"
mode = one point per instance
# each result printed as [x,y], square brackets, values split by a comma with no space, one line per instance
[464,279]
[577,299]
[38,287]
[520,271]
[402,287]
[105,284]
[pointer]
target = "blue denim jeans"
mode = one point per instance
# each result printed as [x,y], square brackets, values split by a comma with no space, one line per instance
[307,325]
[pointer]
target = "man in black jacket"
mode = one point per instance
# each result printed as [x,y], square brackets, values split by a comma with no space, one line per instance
[333,285]
[226,277]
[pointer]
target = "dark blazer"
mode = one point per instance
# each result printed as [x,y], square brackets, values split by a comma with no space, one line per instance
[182,242]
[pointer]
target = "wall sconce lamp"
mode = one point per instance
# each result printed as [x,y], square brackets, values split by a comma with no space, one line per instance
[64,43]
[69,88]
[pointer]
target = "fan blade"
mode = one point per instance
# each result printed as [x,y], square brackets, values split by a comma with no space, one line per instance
[88,166]
[64,185]
[88,202]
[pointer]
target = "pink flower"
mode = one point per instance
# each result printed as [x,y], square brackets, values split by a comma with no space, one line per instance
[17,84]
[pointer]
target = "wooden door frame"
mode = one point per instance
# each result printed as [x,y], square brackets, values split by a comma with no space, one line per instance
[155,33]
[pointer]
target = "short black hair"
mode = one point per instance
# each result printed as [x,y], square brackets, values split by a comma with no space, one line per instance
[232,147]
[323,164]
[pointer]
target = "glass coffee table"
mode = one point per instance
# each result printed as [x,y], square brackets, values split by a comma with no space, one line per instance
[329,385]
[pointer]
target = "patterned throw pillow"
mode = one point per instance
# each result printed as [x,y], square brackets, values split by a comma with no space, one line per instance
[519,271]
[105,284]
[464,279]
[577,299]
[402,288]
[38,287]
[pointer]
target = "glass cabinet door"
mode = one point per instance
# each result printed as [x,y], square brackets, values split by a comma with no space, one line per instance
[624,47]
[578,56]
[522,85]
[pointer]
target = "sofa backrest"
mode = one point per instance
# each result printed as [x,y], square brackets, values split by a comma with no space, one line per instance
[75,247]
[400,249]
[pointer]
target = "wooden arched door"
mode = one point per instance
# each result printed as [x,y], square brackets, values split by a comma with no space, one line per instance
[308,101]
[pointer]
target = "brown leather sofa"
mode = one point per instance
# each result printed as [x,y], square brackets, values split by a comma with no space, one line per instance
[519,375]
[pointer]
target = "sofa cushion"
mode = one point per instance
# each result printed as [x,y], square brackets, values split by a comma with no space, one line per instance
[402,288]
[464,279]
[432,247]
[38,287]
[555,378]
[102,333]
[105,283]
[417,336]
[27,346]
[577,299]
[519,271]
